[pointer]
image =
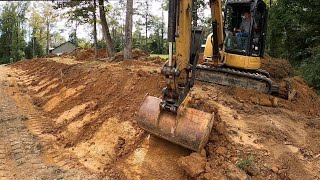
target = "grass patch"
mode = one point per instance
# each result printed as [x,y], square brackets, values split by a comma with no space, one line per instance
[163,56]
[245,163]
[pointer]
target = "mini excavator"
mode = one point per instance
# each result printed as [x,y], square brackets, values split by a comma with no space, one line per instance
[229,60]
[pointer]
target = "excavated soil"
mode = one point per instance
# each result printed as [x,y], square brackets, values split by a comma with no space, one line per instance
[86,111]
[86,54]
[278,68]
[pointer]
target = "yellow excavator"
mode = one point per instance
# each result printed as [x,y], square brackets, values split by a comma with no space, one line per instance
[232,57]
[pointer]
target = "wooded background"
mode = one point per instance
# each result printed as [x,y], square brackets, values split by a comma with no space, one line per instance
[293,29]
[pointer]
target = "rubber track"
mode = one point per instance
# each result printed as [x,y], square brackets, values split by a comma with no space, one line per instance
[273,87]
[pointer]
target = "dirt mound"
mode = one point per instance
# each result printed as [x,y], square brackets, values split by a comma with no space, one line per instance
[256,136]
[306,100]
[92,107]
[85,103]
[278,68]
[86,54]
[136,53]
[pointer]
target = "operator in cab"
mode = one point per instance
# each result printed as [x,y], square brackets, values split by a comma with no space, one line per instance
[244,30]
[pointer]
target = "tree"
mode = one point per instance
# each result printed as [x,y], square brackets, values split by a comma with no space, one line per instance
[34,49]
[50,17]
[105,30]
[73,38]
[116,21]
[56,39]
[81,12]
[37,24]
[143,11]
[128,31]
[12,41]
[156,45]
[293,33]
[95,29]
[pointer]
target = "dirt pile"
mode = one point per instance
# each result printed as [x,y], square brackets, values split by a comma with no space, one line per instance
[84,103]
[278,68]
[86,54]
[92,108]
[305,101]
[255,136]
[136,54]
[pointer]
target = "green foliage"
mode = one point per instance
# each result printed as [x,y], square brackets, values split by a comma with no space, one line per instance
[12,41]
[163,56]
[73,38]
[56,39]
[294,33]
[83,43]
[34,49]
[311,70]
[245,163]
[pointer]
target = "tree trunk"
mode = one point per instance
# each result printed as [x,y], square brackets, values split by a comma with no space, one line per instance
[162,28]
[128,31]
[105,30]
[48,34]
[195,13]
[95,30]
[33,50]
[147,4]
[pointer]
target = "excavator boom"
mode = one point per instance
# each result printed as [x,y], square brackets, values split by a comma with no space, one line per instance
[170,117]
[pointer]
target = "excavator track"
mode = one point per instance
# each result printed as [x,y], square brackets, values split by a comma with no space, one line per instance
[258,81]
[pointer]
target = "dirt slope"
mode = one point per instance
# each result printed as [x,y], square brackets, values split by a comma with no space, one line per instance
[89,111]
[21,151]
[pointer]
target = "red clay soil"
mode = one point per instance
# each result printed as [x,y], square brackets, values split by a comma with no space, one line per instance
[278,68]
[136,54]
[254,135]
[86,54]
[119,86]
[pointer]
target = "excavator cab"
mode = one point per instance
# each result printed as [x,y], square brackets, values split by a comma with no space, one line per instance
[234,49]
[245,27]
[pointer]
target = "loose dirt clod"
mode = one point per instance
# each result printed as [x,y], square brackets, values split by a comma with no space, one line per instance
[235,173]
[193,165]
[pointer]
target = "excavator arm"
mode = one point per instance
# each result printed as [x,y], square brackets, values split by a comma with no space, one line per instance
[217,37]
[170,117]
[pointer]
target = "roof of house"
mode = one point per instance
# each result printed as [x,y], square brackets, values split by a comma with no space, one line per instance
[65,43]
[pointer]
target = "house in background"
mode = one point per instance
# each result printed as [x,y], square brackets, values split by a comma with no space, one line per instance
[64,48]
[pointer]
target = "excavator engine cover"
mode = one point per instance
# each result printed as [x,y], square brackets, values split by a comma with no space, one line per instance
[189,128]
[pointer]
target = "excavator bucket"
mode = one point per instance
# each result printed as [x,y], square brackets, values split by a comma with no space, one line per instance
[189,128]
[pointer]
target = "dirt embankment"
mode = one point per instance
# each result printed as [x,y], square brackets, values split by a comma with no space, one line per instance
[92,106]
[278,68]
[86,54]
[256,135]
[89,55]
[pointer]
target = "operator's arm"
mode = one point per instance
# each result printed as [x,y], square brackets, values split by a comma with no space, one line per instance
[241,27]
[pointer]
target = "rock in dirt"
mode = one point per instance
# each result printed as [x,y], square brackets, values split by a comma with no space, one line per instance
[221,128]
[193,165]
[221,150]
[205,88]
[212,176]
[274,101]
[142,73]
[253,170]
[265,101]
[275,169]
[234,173]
